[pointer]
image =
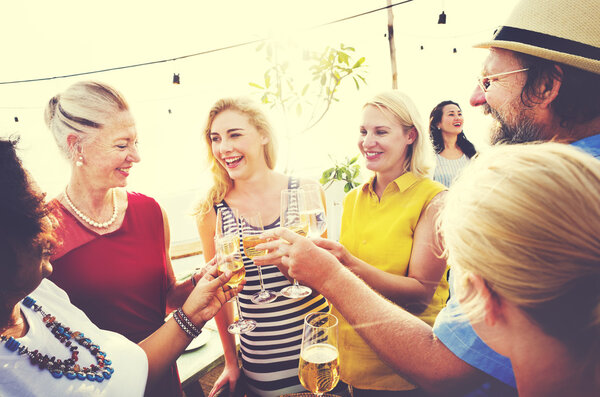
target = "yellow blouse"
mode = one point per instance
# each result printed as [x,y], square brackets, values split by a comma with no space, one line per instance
[380,232]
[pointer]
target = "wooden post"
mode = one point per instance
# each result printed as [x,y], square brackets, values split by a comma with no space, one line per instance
[392,45]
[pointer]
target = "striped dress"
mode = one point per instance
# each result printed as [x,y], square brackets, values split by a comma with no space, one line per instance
[270,353]
[447,170]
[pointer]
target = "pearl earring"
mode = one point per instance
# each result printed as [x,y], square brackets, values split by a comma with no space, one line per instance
[79,161]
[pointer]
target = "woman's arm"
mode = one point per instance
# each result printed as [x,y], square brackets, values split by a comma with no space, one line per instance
[425,268]
[177,291]
[168,342]
[231,372]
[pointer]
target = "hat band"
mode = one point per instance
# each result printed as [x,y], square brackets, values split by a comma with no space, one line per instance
[546,41]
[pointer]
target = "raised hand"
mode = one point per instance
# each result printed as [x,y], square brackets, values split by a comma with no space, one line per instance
[210,294]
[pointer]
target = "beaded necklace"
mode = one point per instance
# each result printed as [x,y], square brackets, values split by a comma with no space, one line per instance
[89,220]
[95,372]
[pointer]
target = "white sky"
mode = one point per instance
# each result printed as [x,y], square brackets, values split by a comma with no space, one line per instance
[46,39]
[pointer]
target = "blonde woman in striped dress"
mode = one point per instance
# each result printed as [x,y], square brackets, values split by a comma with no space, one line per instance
[241,149]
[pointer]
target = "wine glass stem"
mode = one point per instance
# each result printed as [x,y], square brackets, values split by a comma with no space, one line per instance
[239,309]
[262,287]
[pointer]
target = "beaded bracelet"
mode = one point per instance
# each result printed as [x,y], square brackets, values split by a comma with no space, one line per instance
[186,324]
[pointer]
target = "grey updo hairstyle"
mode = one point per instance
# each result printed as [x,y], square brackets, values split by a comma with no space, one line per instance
[81,110]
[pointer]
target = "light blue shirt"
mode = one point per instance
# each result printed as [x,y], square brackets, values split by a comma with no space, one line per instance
[447,170]
[591,144]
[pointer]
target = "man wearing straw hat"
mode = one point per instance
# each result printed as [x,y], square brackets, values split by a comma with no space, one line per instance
[541,81]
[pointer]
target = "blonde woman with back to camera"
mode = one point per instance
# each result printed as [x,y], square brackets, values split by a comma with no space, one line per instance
[241,149]
[521,226]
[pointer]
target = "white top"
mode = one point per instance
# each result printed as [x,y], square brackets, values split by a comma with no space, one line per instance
[447,170]
[18,377]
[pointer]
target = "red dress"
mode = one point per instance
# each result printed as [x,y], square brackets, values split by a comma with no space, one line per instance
[118,279]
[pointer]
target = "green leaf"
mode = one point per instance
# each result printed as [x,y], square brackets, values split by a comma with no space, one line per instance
[260,46]
[358,63]
[269,50]
[356,83]
[353,160]
[267,80]
[305,89]
[338,174]
[327,173]
[347,187]
[298,110]
[323,79]
[257,86]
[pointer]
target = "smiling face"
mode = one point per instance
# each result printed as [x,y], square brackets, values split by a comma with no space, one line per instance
[515,122]
[237,145]
[109,156]
[452,120]
[383,142]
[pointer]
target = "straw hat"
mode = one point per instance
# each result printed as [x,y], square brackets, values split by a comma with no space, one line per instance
[565,31]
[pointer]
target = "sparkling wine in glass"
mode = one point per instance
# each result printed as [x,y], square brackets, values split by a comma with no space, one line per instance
[227,247]
[252,228]
[314,210]
[294,218]
[319,368]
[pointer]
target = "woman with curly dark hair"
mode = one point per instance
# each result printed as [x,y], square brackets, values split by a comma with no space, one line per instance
[50,346]
[453,149]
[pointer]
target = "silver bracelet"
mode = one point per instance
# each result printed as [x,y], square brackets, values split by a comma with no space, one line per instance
[186,324]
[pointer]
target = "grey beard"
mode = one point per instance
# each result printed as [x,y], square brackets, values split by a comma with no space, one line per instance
[523,131]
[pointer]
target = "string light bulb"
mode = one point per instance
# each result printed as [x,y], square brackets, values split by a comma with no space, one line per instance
[176,78]
[442,18]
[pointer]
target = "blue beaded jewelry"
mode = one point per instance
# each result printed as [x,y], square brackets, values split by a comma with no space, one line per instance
[69,368]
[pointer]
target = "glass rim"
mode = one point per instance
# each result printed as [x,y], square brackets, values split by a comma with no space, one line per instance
[329,323]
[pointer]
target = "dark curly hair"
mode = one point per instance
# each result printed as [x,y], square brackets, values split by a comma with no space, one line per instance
[436,134]
[578,100]
[24,222]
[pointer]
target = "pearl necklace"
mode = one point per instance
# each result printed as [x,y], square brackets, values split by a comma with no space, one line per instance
[89,220]
[68,367]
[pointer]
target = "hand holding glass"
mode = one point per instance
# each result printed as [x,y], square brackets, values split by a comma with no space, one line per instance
[252,228]
[319,370]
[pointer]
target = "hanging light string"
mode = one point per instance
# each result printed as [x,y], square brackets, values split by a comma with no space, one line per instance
[245,43]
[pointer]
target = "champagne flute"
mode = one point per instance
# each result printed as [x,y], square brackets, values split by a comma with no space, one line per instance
[252,228]
[314,210]
[292,217]
[319,368]
[227,247]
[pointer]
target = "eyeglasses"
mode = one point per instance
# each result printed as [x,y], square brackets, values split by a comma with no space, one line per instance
[484,82]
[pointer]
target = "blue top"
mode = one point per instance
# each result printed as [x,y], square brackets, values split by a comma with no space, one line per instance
[447,170]
[591,144]
[459,337]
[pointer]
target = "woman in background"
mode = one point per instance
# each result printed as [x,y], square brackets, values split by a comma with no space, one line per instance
[521,227]
[241,147]
[114,259]
[453,149]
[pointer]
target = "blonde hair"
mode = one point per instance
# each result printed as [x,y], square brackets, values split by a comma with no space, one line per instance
[222,183]
[419,157]
[81,110]
[526,218]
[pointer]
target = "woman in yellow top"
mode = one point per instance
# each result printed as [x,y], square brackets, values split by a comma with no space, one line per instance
[388,235]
